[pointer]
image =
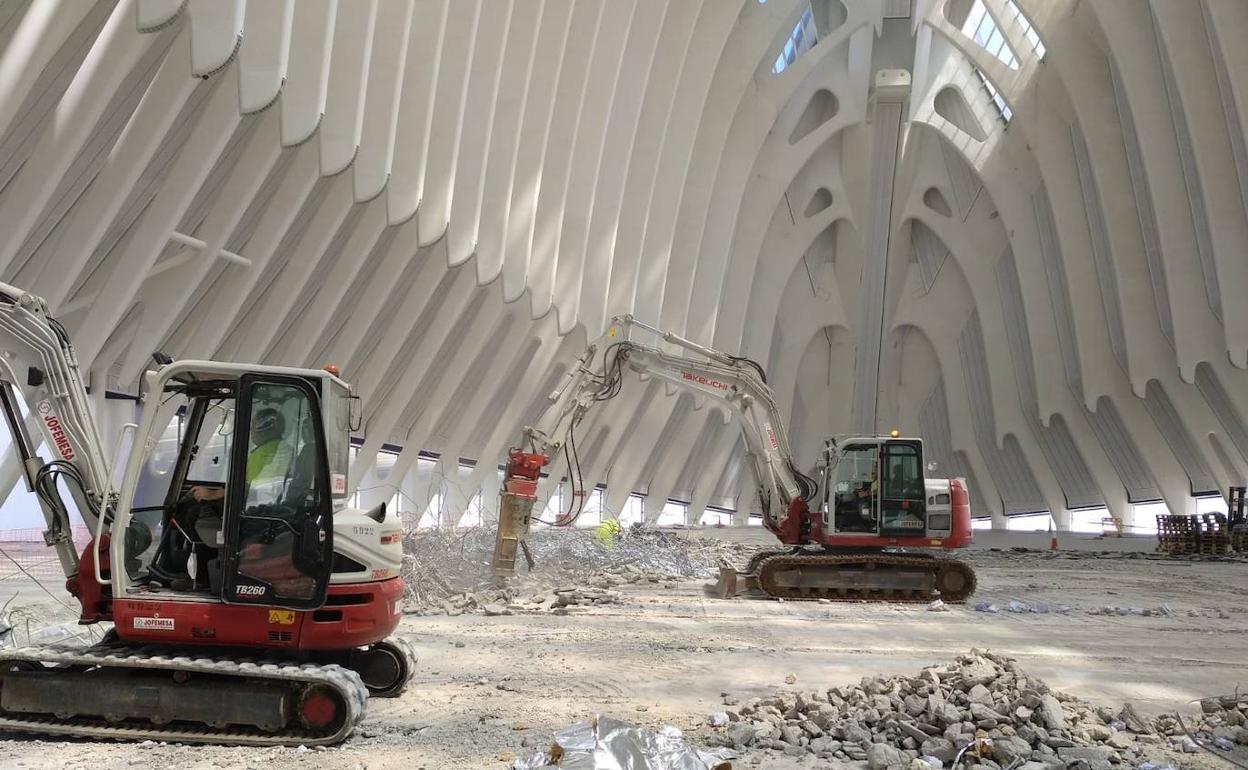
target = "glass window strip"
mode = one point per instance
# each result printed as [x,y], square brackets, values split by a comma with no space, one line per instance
[981,27]
[803,37]
[1028,31]
[998,101]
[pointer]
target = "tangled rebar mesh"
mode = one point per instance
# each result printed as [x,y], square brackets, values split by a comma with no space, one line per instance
[450,568]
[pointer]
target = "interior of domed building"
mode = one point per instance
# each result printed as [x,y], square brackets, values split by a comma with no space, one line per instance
[833,382]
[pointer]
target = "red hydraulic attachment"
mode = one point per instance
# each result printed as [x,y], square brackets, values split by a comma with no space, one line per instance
[516,507]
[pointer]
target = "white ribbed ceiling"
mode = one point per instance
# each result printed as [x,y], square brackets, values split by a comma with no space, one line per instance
[448,197]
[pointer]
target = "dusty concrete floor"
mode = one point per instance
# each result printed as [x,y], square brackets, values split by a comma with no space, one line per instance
[666,655]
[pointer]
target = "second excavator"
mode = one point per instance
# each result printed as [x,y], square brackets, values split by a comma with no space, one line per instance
[871,527]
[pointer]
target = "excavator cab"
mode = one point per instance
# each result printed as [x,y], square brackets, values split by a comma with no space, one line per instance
[875,486]
[243,511]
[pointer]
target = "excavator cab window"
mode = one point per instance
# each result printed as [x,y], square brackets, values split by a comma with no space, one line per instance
[855,489]
[278,527]
[149,511]
[903,500]
[209,467]
[174,534]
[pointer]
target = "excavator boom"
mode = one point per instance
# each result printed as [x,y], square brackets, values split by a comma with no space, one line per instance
[38,362]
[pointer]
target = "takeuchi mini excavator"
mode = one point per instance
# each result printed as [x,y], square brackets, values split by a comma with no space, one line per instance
[871,528]
[249,604]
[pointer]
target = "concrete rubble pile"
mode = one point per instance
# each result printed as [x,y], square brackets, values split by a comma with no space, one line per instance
[447,571]
[983,703]
[1221,725]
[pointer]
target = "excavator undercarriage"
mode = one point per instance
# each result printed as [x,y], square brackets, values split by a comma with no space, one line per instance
[190,694]
[140,693]
[799,574]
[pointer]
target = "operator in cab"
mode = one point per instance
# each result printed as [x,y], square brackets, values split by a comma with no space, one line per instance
[871,487]
[199,514]
[268,458]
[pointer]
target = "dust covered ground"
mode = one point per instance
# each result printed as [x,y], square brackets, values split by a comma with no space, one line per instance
[1156,633]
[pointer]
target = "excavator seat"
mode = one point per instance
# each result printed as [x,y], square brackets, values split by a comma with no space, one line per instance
[209,530]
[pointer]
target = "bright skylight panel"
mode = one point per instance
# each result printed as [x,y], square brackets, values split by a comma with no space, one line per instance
[1016,13]
[982,28]
[998,101]
[801,39]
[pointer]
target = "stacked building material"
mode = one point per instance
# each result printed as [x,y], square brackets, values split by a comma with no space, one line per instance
[1205,534]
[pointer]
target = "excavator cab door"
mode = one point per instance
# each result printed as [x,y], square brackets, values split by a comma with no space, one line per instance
[278,528]
[903,493]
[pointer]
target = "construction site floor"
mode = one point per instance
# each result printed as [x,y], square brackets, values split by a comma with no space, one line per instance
[667,653]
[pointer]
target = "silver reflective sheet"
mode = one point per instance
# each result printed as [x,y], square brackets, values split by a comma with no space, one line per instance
[532,763]
[610,744]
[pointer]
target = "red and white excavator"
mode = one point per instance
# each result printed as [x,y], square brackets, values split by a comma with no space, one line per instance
[250,605]
[871,528]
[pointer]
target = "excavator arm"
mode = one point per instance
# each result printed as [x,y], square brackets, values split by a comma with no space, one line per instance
[737,383]
[37,361]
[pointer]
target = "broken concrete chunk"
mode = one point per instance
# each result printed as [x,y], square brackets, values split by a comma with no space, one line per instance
[1051,713]
[741,733]
[980,712]
[1120,741]
[981,695]
[1097,757]
[940,748]
[881,756]
[912,731]
[1009,748]
[852,732]
[978,670]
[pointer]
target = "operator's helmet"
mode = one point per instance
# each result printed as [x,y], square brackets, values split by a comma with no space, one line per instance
[268,425]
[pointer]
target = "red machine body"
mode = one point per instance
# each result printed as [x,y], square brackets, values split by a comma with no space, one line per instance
[801,527]
[353,615]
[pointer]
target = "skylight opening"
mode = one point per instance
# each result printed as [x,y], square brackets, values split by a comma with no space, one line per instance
[1012,11]
[998,101]
[983,29]
[801,39]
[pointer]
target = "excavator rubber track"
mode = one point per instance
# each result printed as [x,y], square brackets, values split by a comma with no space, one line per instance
[794,574]
[144,675]
[885,577]
[758,558]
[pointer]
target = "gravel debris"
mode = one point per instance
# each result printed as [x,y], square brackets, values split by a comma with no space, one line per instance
[982,707]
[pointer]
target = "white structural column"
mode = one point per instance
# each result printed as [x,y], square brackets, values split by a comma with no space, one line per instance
[307,69]
[381,98]
[886,135]
[118,48]
[151,233]
[166,296]
[475,136]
